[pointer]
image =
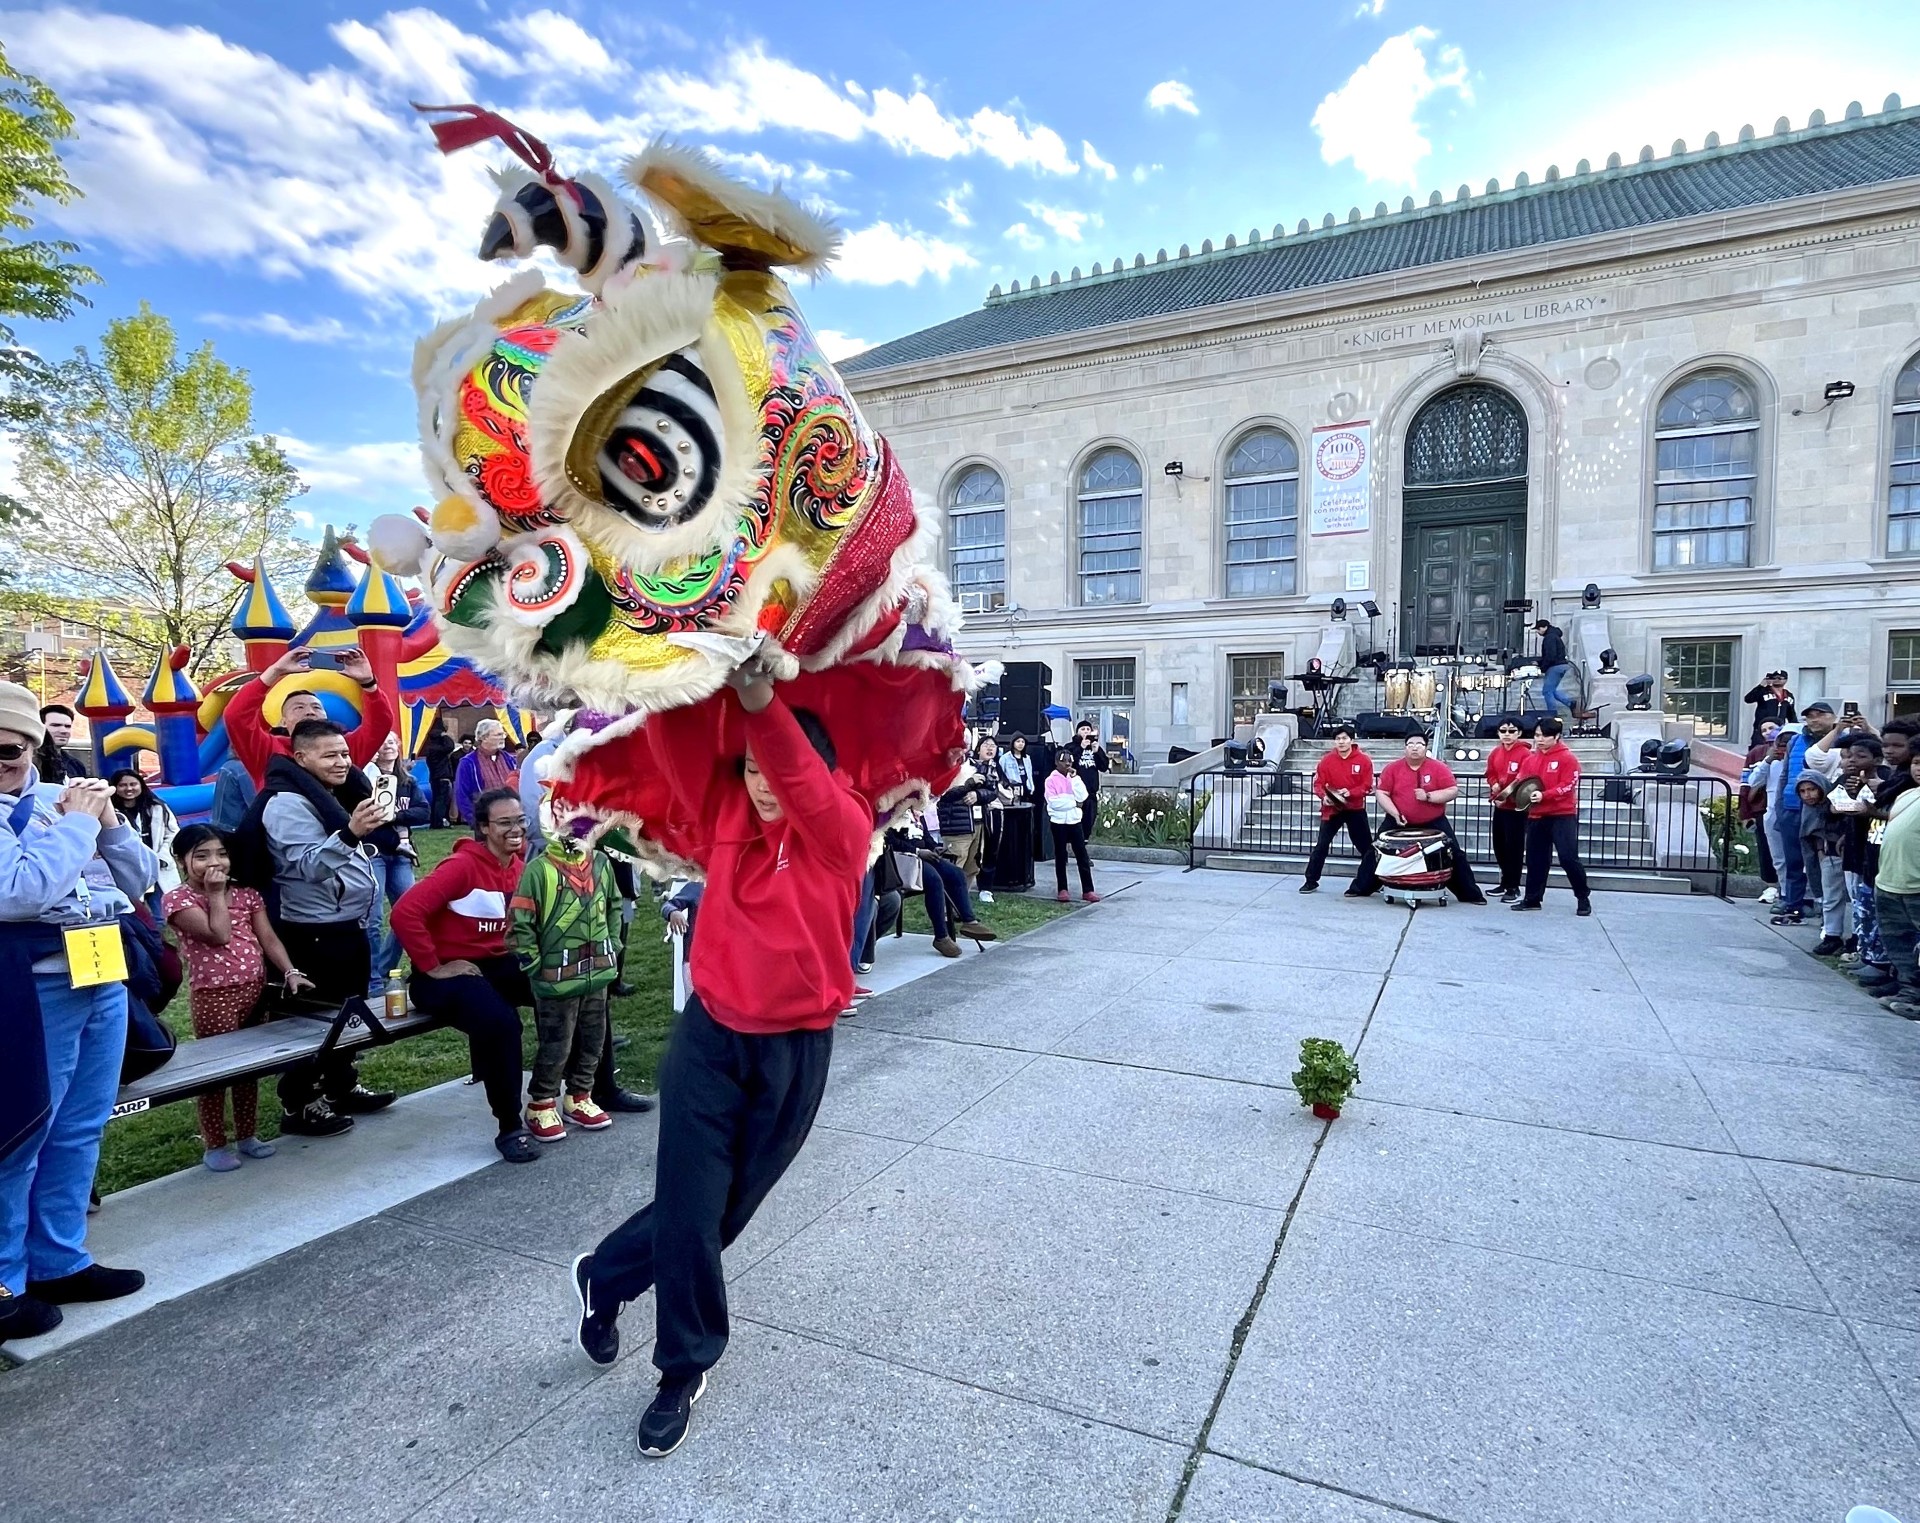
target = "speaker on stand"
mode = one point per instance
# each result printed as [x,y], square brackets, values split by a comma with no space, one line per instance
[1026,691]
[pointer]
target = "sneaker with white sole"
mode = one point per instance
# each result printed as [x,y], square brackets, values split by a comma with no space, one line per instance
[663,1427]
[985,896]
[599,1332]
[543,1120]
[1769,895]
[580,1111]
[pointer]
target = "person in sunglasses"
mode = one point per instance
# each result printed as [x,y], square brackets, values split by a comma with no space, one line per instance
[70,867]
[1504,762]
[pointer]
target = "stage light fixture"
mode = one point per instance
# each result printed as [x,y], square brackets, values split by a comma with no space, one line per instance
[1837,391]
[1174,468]
[1609,662]
[1640,692]
[1339,608]
[1590,595]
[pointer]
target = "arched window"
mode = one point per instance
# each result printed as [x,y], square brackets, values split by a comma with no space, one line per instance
[977,540]
[1467,434]
[1263,515]
[1903,498]
[1706,461]
[1111,494]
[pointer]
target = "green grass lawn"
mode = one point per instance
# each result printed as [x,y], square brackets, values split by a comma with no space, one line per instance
[166,1139]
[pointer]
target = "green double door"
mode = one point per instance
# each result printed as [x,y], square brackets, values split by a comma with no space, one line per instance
[1465,555]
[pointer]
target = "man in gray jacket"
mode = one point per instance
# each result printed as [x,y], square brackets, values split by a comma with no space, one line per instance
[313,818]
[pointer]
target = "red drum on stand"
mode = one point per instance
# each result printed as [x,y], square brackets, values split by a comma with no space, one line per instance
[1414,864]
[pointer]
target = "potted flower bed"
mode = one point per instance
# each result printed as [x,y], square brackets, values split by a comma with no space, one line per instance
[1325,1077]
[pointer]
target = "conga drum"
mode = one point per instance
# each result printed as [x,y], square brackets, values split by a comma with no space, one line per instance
[1420,692]
[1397,682]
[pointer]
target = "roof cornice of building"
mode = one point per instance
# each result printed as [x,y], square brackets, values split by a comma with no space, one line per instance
[1554,184]
[1404,293]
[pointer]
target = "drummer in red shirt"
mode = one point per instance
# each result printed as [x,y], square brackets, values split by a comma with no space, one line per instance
[1342,783]
[1505,763]
[1416,791]
[1553,823]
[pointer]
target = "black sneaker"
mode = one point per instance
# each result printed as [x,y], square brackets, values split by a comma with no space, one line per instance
[94,1283]
[361,1101]
[1523,905]
[629,1101]
[1508,895]
[1309,888]
[663,1427]
[1584,907]
[1828,946]
[1354,893]
[518,1146]
[26,1316]
[315,1119]
[1787,917]
[599,1332]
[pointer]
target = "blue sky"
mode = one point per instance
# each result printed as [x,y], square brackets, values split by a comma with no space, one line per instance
[252,169]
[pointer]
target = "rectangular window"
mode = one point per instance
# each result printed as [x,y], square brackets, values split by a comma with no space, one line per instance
[1263,524]
[1104,694]
[72,629]
[1903,501]
[1696,682]
[1248,677]
[1703,500]
[978,558]
[1110,549]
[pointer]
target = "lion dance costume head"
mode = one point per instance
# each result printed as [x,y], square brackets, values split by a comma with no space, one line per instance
[637,478]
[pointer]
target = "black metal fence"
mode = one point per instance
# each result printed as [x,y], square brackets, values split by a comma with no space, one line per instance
[1637,822]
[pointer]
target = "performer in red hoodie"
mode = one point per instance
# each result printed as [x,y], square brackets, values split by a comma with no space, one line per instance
[1416,791]
[784,843]
[1505,765]
[1553,823]
[1343,782]
[453,924]
[256,745]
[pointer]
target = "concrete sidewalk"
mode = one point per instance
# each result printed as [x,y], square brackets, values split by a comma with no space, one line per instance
[1625,1225]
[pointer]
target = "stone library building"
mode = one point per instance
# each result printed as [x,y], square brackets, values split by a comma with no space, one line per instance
[1670,401]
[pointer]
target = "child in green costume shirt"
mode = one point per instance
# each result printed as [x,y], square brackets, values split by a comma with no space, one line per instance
[565,930]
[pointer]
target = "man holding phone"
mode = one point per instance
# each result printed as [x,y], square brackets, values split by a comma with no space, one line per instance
[256,744]
[1772,703]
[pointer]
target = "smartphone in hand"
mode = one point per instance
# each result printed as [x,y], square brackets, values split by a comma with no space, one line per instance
[386,792]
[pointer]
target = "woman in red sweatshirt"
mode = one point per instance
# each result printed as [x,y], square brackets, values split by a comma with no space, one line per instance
[783,839]
[453,924]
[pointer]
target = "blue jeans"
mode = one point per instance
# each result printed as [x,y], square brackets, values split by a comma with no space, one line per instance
[863,918]
[945,875]
[395,875]
[1783,833]
[1550,693]
[44,1183]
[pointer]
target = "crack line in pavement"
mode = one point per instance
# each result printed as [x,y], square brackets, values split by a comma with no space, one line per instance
[1243,1329]
[1343,1491]
[1766,1195]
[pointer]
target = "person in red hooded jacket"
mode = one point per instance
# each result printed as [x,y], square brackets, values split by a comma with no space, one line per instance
[783,838]
[453,924]
[1506,764]
[1343,782]
[1553,823]
[256,745]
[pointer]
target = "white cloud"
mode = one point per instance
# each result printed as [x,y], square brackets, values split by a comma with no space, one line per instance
[1065,222]
[1095,164]
[381,474]
[1172,95]
[419,49]
[999,136]
[954,205]
[885,255]
[1371,118]
[1144,172]
[557,44]
[1369,8]
[296,330]
[839,345]
[1025,236]
[755,165]
[914,124]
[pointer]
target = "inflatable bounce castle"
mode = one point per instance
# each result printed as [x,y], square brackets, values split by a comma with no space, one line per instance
[642,481]
[188,735]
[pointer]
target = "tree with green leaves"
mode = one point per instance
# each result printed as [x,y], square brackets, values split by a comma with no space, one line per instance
[141,476]
[38,279]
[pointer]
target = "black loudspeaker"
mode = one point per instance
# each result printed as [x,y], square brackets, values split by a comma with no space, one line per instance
[1388,726]
[984,706]
[1026,689]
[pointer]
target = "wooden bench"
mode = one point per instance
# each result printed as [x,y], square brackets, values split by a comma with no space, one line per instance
[207,1064]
